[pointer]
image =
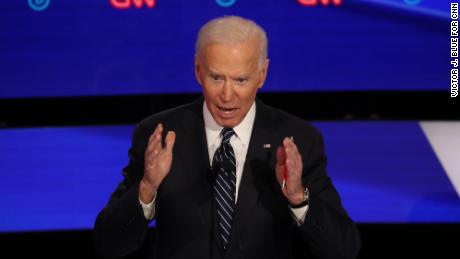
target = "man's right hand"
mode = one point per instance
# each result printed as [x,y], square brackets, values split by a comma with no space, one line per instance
[157,163]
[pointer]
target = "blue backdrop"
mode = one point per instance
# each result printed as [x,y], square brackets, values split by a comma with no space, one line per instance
[60,178]
[89,47]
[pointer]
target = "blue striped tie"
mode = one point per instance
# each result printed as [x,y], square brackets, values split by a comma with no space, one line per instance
[224,185]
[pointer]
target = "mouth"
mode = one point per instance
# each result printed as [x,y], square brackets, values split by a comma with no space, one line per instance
[227,111]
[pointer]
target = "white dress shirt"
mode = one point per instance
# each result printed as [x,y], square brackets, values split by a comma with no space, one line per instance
[240,143]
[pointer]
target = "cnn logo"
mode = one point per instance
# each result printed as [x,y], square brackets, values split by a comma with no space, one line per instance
[126,4]
[316,2]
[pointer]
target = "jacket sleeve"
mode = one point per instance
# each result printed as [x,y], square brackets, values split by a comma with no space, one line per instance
[121,226]
[327,232]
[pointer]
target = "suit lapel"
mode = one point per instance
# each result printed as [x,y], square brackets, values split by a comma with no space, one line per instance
[195,156]
[257,159]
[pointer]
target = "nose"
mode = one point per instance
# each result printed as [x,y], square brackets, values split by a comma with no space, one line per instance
[227,92]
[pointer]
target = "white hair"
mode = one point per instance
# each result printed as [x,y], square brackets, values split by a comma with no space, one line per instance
[231,30]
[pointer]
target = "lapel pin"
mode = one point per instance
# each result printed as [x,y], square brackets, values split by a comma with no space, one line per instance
[267,145]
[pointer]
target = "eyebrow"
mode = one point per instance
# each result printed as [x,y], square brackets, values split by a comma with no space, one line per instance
[245,77]
[215,73]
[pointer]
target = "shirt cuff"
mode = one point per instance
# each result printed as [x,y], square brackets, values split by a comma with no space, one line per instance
[299,214]
[149,209]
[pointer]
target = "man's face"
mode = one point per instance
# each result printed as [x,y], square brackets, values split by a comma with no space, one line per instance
[230,78]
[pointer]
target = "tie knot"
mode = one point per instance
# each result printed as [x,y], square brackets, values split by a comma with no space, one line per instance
[227,133]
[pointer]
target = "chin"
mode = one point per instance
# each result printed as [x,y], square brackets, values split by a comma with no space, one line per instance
[227,123]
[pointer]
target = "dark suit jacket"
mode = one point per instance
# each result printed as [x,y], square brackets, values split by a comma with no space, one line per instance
[263,226]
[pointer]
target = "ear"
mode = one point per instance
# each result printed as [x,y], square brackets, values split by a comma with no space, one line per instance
[197,69]
[263,73]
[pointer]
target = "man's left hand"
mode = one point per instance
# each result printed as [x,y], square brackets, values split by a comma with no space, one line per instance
[289,168]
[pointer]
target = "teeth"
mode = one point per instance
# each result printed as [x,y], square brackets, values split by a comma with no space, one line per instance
[224,109]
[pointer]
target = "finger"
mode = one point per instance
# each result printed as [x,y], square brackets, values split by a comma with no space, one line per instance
[293,158]
[156,145]
[170,139]
[158,131]
[290,157]
[286,142]
[289,150]
[299,164]
[290,167]
[293,151]
[280,156]
[153,145]
[154,138]
[155,130]
[151,154]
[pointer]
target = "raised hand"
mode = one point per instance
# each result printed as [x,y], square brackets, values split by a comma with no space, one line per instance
[157,163]
[289,170]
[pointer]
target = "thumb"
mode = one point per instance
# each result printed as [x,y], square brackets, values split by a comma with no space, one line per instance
[170,139]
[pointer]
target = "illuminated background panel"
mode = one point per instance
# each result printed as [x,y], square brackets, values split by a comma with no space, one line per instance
[86,47]
[59,178]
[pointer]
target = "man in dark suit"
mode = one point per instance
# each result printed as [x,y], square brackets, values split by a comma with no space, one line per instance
[227,176]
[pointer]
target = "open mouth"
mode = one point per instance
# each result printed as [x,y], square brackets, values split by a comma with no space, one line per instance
[227,111]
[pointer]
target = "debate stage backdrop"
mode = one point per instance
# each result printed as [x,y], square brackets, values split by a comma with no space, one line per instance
[385,171]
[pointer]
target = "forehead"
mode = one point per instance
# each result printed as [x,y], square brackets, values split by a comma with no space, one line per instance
[237,56]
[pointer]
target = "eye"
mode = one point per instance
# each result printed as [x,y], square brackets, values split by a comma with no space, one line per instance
[215,77]
[241,80]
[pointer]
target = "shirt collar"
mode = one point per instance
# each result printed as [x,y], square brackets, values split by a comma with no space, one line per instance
[242,130]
